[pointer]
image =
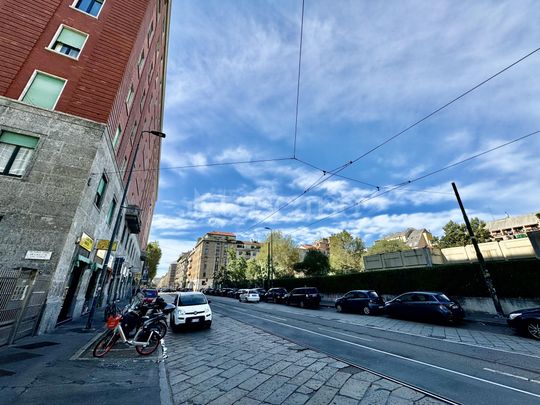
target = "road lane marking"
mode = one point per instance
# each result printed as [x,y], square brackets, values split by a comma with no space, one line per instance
[512,375]
[403,358]
[439,339]
[276,317]
[345,334]
[346,322]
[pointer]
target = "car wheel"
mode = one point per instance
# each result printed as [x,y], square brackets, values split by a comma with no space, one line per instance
[339,308]
[174,327]
[302,304]
[208,325]
[533,328]
[367,311]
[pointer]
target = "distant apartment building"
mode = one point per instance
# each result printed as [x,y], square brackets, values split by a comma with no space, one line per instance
[247,250]
[321,245]
[414,238]
[182,266]
[513,227]
[80,83]
[209,256]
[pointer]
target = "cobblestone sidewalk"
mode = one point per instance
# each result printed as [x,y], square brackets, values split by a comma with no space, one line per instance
[234,363]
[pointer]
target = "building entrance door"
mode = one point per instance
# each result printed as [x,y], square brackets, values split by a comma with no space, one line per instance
[69,294]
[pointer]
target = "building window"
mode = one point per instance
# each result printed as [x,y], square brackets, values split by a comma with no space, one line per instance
[43,90]
[143,99]
[129,98]
[92,7]
[133,132]
[112,208]
[117,136]
[140,63]
[68,42]
[150,32]
[102,187]
[15,153]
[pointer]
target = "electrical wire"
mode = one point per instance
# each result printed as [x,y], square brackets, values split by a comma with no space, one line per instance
[239,162]
[444,106]
[432,173]
[337,170]
[298,80]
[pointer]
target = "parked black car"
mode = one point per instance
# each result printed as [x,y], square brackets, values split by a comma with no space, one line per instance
[526,321]
[304,297]
[425,305]
[275,295]
[365,301]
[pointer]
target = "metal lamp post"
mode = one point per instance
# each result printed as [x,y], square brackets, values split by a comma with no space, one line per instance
[115,231]
[270,259]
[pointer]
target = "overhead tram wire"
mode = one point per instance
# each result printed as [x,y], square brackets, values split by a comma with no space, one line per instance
[444,106]
[322,178]
[195,166]
[337,170]
[407,182]
[298,79]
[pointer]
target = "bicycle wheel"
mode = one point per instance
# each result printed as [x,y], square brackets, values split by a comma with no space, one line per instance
[105,344]
[153,343]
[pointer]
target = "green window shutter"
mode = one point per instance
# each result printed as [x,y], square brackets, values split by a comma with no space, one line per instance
[19,140]
[44,91]
[71,38]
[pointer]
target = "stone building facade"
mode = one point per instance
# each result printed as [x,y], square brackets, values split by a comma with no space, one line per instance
[84,83]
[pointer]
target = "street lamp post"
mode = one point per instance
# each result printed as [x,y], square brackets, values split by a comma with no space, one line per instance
[115,231]
[270,263]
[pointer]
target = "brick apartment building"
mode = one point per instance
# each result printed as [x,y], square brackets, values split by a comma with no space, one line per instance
[80,82]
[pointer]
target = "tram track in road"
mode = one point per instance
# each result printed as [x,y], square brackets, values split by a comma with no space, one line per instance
[437,369]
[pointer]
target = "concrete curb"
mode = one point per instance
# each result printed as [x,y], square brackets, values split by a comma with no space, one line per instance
[165,391]
[85,347]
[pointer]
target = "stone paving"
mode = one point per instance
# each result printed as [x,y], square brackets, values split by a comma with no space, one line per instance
[510,343]
[235,363]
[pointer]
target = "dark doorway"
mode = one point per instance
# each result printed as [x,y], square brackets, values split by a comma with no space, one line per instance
[69,294]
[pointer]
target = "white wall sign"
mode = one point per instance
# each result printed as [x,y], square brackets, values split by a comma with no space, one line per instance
[38,255]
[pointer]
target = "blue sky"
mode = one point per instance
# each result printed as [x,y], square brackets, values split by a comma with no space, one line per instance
[369,70]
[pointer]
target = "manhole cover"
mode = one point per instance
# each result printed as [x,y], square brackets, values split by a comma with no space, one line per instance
[36,345]
[14,357]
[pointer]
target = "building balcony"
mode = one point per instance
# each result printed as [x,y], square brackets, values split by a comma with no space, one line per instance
[133,218]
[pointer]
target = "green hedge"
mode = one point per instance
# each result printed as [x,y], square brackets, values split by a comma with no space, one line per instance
[511,279]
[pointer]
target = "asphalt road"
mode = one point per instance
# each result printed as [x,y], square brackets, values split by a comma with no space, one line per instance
[462,373]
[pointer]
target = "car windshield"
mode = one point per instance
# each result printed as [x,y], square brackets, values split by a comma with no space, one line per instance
[373,294]
[253,291]
[191,299]
[442,298]
[150,293]
[311,291]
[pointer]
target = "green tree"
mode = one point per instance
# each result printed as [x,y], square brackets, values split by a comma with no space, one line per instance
[315,263]
[236,267]
[388,246]
[153,255]
[255,272]
[346,252]
[457,235]
[284,254]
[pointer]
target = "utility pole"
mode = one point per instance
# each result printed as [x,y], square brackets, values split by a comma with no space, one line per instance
[483,268]
[269,256]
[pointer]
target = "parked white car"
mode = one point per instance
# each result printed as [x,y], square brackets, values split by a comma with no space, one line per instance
[250,296]
[192,309]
